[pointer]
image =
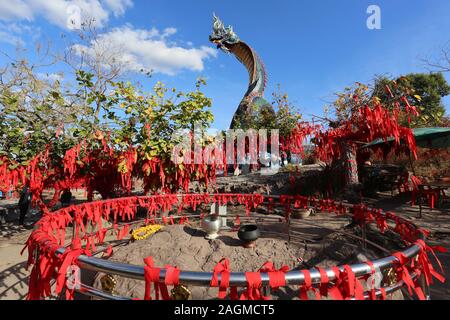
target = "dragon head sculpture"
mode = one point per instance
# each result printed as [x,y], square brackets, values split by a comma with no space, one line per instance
[222,36]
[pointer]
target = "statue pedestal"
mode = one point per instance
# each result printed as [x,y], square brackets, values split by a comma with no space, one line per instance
[222,212]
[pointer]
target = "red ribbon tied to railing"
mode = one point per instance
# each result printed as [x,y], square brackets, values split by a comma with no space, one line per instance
[223,269]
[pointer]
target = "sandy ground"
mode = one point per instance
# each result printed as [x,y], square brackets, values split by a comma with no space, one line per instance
[13,276]
[189,250]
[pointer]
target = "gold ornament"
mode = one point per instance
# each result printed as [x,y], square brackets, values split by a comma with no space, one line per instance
[390,277]
[145,232]
[180,292]
[108,283]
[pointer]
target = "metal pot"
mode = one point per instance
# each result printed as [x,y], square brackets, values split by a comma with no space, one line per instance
[301,214]
[248,234]
[211,225]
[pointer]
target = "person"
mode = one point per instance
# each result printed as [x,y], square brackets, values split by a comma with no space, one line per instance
[24,204]
[66,197]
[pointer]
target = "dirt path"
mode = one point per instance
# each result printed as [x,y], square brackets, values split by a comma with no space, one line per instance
[13,276]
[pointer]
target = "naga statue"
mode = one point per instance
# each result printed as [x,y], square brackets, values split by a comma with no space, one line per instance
[253,100]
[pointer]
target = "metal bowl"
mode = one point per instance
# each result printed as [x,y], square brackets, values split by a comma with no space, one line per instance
[211,225]
[301,213]
[248,233]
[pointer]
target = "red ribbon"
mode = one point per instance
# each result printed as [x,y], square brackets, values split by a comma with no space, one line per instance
[108,253]
[354,286]
[172,275]
[404,275]
[425,265]
[237,222]
[254,283]
[223,269]
[269,205]
[323,289]
[335,291]
[277,278]
[151,275]
[68,258]
[303,294]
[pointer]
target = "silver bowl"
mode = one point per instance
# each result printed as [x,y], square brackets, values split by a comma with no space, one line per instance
[211,225]
[301,213]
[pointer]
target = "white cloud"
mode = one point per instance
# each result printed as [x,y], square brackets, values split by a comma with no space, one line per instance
[136,49]
[62,12]
[52,77]
[140,49]
[167,32]
[15,9]
[118,7]
[7,37]
[11,32]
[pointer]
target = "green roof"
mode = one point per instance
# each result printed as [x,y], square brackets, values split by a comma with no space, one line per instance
[425,138]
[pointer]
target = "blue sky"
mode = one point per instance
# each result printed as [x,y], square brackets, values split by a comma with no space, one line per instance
[311,48]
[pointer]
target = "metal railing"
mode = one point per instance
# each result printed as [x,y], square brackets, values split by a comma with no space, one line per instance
[237,279]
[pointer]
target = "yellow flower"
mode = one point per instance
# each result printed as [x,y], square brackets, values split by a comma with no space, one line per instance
[145,232]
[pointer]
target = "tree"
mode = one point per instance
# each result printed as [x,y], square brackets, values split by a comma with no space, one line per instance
[100,59]
[442,63]
[284,116]
[362,117]
[425,91]
[33,112]
[95,133]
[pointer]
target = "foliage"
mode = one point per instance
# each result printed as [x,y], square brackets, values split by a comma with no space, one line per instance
[283,117]
[365,116]
[425,90]
[362,117]
[89,137]
[33,113]
[431,164]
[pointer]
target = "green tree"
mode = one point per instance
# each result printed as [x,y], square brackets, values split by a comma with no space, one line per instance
[362,114]
[426,92]
[135,126]
[34,113]
[284,117]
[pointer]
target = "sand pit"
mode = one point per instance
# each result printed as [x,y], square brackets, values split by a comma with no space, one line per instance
[186,248]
